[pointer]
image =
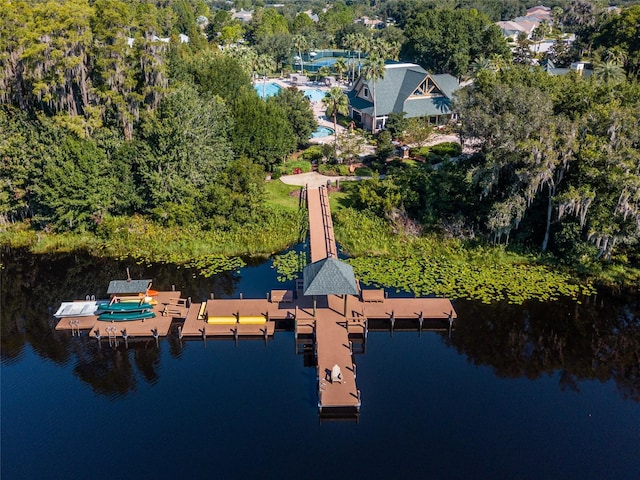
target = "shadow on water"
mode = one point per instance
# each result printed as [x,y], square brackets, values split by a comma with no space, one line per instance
[596,340]
[34,285]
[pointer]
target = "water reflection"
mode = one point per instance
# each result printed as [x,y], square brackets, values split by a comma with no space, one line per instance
[599,339]
[34,285]
[596,340]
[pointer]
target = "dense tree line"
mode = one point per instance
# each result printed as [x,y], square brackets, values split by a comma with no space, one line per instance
[104,111]
[556,168]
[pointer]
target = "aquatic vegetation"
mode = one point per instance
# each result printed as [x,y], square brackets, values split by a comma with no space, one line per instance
[456,278]
[289,265]
[430,265]
[210,265]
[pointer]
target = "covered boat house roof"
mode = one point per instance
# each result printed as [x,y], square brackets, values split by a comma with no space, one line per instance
[128,287]
[329,276]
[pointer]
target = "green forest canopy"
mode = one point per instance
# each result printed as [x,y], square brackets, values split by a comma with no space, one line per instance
[106,112]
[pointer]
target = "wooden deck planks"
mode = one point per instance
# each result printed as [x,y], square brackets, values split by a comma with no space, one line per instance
[332,343]
[322,241]
[407,308]
[168,302]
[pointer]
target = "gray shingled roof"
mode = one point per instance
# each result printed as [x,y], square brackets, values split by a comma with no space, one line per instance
[128,286]
[399,83]
[329,276]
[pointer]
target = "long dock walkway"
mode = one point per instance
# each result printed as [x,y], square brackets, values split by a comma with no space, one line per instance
[322,241]
[332,346]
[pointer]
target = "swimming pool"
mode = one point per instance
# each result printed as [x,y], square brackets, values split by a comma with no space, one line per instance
[314,94]
[266,90]
[322,132]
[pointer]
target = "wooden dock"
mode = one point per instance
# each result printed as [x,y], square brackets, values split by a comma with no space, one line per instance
[324,324]
[169,307]
[322,242]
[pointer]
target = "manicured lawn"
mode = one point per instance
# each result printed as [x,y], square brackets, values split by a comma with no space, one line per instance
[277,193]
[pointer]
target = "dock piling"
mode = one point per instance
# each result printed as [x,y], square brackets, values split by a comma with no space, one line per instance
[420,320]
[75,327]
[113,339]
[393,320]
[125,335]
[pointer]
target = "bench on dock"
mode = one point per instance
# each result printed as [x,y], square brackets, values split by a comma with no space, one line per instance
[201,312]
[376,295]
[284,296]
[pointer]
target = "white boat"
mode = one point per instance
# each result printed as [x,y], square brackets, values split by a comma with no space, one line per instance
[79,309]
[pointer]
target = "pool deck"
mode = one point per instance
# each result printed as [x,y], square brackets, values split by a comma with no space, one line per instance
[319,110]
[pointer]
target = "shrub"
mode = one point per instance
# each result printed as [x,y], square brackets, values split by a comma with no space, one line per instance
[363,172]
[447,149]
[313,153]
[289,168]
[333,170]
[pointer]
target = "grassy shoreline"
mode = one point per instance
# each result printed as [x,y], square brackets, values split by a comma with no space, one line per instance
[423,265]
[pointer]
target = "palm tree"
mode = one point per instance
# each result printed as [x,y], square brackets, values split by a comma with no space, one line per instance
[246,57]
[384,48]
[538,34]
[300,44]
[609,72]
[481,64]
[374,69]
[348,42]
[617,55]
[340,66]
[323,72]
[361,44]
[337,103]
[264,64]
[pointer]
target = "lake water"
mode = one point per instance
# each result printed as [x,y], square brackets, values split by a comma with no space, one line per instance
[527,392]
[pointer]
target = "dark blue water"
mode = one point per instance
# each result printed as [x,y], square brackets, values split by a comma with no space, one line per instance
[517,392]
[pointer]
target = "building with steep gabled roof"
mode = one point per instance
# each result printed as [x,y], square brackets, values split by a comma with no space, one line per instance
[406,87]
